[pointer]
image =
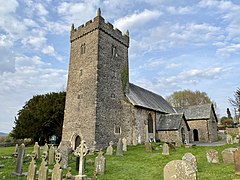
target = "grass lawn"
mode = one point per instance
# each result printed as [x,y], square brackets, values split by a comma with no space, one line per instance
[136,164]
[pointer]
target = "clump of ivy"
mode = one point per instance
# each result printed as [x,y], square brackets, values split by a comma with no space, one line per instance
[124,77]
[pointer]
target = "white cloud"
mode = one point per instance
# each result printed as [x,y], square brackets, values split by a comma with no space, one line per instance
[41,10]
[180,10]
[229,49]
[8,6]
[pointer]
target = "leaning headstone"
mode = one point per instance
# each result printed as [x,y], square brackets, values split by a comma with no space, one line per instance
[43,170]
[228,155]
[15,151]
[165,150]
[237,161]
[179,170]
[110,149]
[21,152]
[124,141]
[57,173]
[148,147]
[119,151]
[37,150]
[229,139]
[31,175]
[51,156]
[100,163]
[64,148]
[212,156]
[189,157]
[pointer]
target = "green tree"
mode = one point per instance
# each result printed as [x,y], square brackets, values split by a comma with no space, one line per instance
[188,98]
[40,117]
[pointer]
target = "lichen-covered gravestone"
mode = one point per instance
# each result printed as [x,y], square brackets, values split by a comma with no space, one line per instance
[237,161]
[165,150]
[43,170]
[212,156]
[119,151]
[31,175]
[148,147]
[21,153]
[69,173]
[110,149]
[124,141]
[229,139]
[179,170]
[64,148]
[100,163]
[228,155]
[51,156]
[57,173]
[189,157]
[45,147]
[37,149]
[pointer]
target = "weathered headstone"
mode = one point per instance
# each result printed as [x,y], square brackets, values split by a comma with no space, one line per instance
[64,148]
[139,139]
[171,147]
[15,153]
[124,141]
[212,156]
[100,163]
[43,170]
[179,170]
[236,139]
[31,175]
[37,150]
[229,139]
[237,161]
[228,155]
[119,151]
[189,157]
[81,151]
[148,147]
[69,173]
[51,156]
[178,143]
[165,150]
[21,152]
[93,148]
[57,173]
[110,149]
[45,147]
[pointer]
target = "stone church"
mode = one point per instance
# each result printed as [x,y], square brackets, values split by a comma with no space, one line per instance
[101,105]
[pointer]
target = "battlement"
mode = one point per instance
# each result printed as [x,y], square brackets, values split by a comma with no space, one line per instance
[99,23]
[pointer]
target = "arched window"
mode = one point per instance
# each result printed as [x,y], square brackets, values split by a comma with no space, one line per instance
[83,48]
[150,123]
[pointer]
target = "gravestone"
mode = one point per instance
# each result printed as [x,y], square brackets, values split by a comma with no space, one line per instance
[21,153]
[64,148]
[212,156]
[57,173]
[15,151]
[229,139]
[189,157]
[43,169]
[37,150]
[119,151]
[93,148]
[100,163]
[51,156]
[236,139]
[228,155]
[171,147]
[69,173]
[139,139]
[45,147]
[237,161]
[148,147]
[31,175]
[81,152]
[110,149]
[165,150]
[178,143]
[179,170]
[124,141]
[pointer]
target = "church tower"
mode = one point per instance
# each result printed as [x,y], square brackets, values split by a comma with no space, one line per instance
[97,83]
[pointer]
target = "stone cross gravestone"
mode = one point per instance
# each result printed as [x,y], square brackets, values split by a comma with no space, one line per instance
[100,163]
[237,161]
[37,149]
[212,156]
[51,156]
[31,175]
[228,155]
[81,151]
[165,150]
[148,147]
[124,141]
[110,149]
[43,170]
[179,170]
[189,157]
[119,151]
[21,153]
[57,173]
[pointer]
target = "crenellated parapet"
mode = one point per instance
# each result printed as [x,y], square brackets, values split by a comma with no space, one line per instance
[98,23]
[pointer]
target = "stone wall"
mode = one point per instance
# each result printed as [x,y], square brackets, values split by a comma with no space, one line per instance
[168,136]
[202,127]
[212,127]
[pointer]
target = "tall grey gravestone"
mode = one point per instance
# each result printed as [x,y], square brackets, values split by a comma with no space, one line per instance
[64,148]
[179,170]
[119,151]
[15,151]
[148,147]
[212,156]
[189,157]
[43,170]
[124,141]
[100,163]
[110,149]
[31,175]
[45,147]
[57,173]
[37,150]
[21,152]
[165,150]
[51,155]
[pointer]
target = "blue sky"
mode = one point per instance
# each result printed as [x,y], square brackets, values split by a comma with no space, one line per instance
[174,45]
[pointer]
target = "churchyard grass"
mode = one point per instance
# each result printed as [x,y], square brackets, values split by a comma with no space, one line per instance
[136,164]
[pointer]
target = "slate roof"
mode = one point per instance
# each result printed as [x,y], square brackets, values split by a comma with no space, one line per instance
[147,99]
[197,112]
[168,122]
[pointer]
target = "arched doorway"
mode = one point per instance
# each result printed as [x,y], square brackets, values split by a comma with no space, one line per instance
[195,135]
[150,123]
[77,142]
[183,135]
